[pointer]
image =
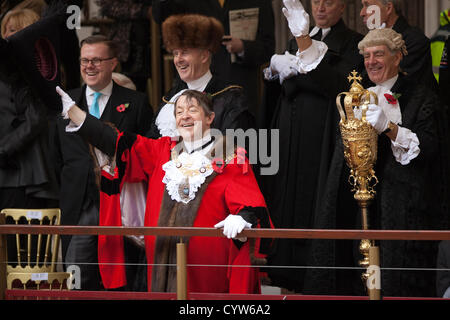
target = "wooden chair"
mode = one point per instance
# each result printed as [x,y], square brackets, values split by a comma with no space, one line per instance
[36,254]
[38,281]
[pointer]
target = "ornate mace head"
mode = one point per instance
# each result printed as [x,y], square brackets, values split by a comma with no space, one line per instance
[359,138]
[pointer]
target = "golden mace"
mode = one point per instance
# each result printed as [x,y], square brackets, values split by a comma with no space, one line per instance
[360,151]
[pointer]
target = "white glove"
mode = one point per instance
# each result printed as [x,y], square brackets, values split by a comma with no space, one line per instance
[284,64]
[67,102]
[376,117]
[232,225]
[298,19]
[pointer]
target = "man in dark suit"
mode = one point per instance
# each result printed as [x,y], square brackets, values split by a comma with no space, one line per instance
[238,60]
[80,165]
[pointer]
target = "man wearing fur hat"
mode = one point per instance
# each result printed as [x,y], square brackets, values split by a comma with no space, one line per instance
[236,60]
[411,168]
[192,39]
[190,183]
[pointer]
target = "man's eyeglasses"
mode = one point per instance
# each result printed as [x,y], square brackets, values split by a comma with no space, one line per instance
[96,61]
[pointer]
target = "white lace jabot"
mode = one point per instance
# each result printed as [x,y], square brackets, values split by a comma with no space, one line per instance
[165,121]
[185,175]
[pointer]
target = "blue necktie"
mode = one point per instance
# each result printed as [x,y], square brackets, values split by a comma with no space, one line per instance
[95,109]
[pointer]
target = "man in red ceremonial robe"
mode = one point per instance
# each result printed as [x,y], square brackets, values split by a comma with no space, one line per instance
[200,182]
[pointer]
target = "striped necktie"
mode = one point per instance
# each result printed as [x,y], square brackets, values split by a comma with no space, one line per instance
[95,109]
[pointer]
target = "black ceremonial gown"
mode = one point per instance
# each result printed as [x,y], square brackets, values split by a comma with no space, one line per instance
[417,64]
[408,197]
[306,116]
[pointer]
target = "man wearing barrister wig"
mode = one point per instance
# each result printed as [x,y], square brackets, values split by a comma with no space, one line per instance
[197,182]
[192,39]
[412,164]
[418,63]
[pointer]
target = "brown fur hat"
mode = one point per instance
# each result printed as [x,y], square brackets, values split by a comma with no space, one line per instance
[192,31]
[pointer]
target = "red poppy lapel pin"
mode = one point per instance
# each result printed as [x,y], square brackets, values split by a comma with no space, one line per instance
[392,98]
[122,107]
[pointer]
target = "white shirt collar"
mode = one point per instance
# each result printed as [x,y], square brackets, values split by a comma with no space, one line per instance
[388,84]
[316,29]
[198,143]
[392,112]
[200,83]
[106,91]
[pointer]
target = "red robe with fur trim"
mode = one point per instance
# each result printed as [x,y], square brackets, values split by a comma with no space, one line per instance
[227,193]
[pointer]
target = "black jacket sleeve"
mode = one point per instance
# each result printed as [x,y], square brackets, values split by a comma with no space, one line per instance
[99,134]
[262,48]
[27,124]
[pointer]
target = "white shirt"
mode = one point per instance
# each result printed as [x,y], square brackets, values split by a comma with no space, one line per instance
[198,143]
[200,83]
[392,112]
[102,100]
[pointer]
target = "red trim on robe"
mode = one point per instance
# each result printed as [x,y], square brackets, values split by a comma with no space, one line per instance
[111,257]
[228,193]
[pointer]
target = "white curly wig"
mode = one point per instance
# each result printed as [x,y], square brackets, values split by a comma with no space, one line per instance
[387,37]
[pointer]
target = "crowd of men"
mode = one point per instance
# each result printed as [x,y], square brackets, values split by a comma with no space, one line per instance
[109,158]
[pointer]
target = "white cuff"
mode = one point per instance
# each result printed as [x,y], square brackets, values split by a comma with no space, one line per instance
[104,161]
[406,146]
[72,127]
[310,58]
[268,74]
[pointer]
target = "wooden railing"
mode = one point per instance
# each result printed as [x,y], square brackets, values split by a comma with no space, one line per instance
[249,233]
[210,232]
